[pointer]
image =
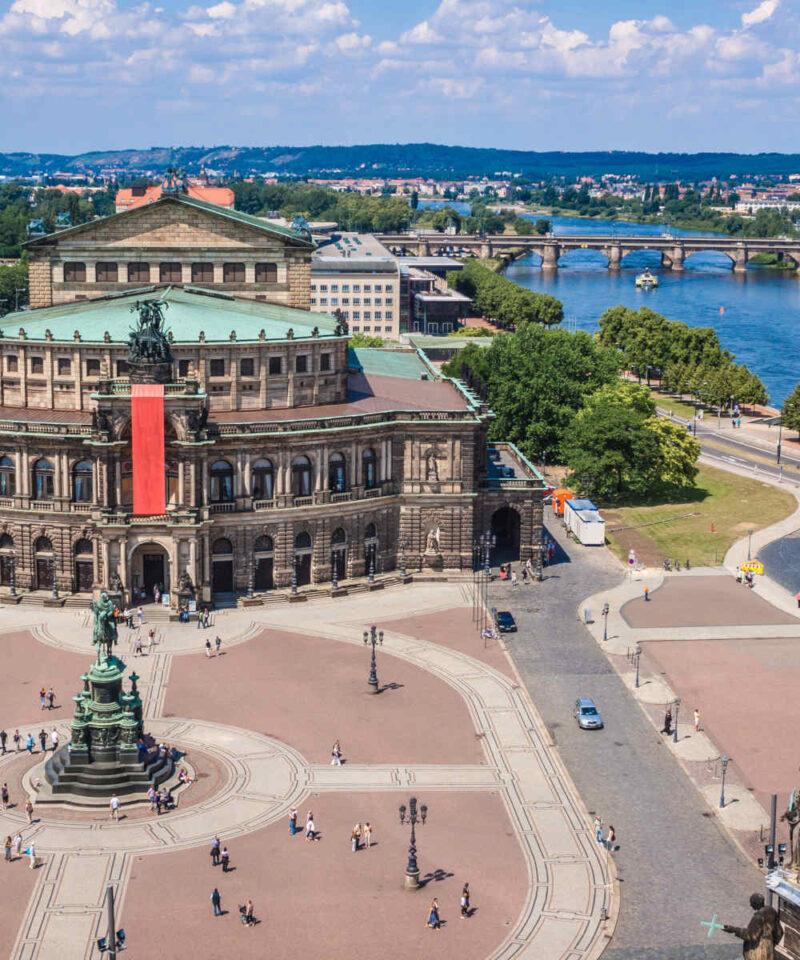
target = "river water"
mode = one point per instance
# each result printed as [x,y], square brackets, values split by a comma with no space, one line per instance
[756,314]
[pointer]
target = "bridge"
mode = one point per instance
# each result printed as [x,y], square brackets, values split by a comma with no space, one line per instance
[673,250]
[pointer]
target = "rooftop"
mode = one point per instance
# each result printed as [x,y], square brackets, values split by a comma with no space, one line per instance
[406,364]
[347,244]
[129,197]
[191,310]
[353,265]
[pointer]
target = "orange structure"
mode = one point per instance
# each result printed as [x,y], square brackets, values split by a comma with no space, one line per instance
[560,496]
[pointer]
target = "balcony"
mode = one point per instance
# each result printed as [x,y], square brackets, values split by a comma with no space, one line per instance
[226,507]
[508,469]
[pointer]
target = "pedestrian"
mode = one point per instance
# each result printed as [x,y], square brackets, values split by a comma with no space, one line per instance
[29,743]
[336,754]
[31,851]
[250,914]
[367,835]
[4,735]
[151,638]
[206,618]
[611,839]
[668,721]
[524,575]
[465,902]
[140,616]
[137,647]
[217,643]
[433,914]
[159,801]
[113,807]
[598,829]
[293,821]
[310,830]
[355,838]
[216,900]
[4,796]
[151,796]
[199,620]
[54,739]
[17,738]
[226,859]
[17,845]
[7,849]
[51,696]
[696,720]
[29,810]
[514,579]
[43,740]
[208,647]
[42,697]
[739,422]
[646,594]
[215,852]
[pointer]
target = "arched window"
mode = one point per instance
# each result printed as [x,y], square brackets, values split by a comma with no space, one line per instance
[263,545]
[43,480]
[301,477]
[8,477]
[222,547]
[338,537]
[43,545]
[6,542]
[369,469]
[82,547]
[221,482]
[371,533]
[302,541]
[82,485]
[337,473]
[263,475]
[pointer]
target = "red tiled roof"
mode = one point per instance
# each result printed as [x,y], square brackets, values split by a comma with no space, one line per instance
[125,200]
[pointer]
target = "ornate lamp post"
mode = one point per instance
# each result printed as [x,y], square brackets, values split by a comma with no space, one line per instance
[250,580]
[677,708]
[55,584]
[402,545]
[294,572]
[334,570]
[410,816]
[725,762]
[371,566]
[605,621]
[373,637]
[637,654]
[12,586]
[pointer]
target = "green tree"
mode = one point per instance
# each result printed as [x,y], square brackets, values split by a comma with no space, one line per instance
[365,340]
[678,452]
[791,410]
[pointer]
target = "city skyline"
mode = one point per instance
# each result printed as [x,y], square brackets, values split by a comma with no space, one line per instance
[100,74]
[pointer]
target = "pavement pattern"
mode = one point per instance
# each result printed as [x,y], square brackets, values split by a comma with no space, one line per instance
[480,756]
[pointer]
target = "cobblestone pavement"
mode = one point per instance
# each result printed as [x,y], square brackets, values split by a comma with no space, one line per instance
[259,777]
[676,866]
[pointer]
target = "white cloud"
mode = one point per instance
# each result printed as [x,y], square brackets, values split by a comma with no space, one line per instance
[222,11]
[761,13]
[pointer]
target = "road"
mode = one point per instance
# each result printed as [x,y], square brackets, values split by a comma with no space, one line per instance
[676,866]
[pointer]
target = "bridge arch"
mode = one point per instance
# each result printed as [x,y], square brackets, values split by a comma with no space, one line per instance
[706,257]
[588,255]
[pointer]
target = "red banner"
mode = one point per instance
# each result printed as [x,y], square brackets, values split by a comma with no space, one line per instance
[147,427]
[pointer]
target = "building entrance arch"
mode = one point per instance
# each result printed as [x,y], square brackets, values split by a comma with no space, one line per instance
[263,557]
[149,569]
[506,530]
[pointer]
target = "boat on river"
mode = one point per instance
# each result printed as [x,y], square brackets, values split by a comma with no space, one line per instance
[647,280]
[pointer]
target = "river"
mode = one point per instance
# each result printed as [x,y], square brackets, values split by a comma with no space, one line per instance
[756,314]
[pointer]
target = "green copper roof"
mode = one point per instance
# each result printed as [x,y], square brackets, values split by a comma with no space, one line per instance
[191,310]
[388,363]
[213,208]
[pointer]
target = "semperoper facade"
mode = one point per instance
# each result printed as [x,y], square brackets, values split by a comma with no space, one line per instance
[287,454]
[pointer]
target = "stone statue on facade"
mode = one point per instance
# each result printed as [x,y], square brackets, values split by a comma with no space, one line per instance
[148,341]
[105,626]
[115,583]
[196,420]
[792,817]
[432,541]
[185,584]
[342,326]
[432,457]
[762,934]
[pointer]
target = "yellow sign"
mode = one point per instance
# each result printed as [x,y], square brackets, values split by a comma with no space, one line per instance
[752,566]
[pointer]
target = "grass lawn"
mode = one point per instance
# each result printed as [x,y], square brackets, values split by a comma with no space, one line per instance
[679,407]
[732,504]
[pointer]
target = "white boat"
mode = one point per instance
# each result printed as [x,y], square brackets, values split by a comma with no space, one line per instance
[647,280]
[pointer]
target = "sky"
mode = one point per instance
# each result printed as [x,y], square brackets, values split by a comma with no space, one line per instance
[651,75]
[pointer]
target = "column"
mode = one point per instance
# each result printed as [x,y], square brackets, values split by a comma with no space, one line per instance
[104,552]
[118,482]
[123,565]
[204,468]
[614,257]
[238,475]
[677,257]
[740,259]
[193,561]
[318,484]
[181,483]
[193,483]
[24,473]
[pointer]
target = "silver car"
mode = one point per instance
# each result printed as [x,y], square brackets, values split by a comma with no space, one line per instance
[587,715]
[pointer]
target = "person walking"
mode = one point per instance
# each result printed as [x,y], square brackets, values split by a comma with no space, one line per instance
[140,616]
[113,807]
[17,845]
[159,801]
[208,647]
[215,852]
[217,644]
[31,851]
[465,902]
[514,579]
[43,740]
[151,796]
[54,739]
[434,921]
[668,721]
[216,901]
[226,859]
[30,743]
[137,647]
[7,849]
[4,736]
[367,835]
[696,720]
[336,754]
[51,698]
[250,914]
[611,839]
[17,738]
[355,838]
[646,594]
[293,821]
[42,697]
[4,796]
[29,810]
[598,829]
[310,829]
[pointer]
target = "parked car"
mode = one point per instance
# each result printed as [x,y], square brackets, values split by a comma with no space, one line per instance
[587,715]
[506,623]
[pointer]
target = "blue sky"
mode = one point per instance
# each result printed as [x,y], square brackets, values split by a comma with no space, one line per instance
[557,74]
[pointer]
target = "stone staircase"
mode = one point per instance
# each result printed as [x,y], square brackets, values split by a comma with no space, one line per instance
[70,781]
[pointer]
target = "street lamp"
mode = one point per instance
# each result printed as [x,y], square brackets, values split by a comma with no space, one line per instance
[780,437]
[605,621]
[402,546]
[334,570]
[749,542]
[373,636]
[250,580]
[371,577]
[725,762]
[55,584]
[677,708]
[294,572]
[637,654]
[12,586]
[412,869]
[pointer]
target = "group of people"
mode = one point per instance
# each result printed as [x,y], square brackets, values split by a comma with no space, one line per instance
[216,646]
[30,741]
[434,921]
[361,833]
[609,841]
[220,856]
[47,698]
[160,799]
[204,619]
[13,850]
[507,572]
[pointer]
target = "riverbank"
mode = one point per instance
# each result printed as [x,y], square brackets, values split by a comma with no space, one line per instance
[549,212]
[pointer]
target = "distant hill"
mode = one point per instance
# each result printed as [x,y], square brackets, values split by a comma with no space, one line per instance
[403,159]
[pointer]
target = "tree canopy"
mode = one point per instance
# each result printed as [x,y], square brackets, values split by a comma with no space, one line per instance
[499,298]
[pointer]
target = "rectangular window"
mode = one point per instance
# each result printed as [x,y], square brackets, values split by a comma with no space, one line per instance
[216,368]
[323,301]
[122,368]
[367,287]
[334,301]
[334,288]
[323,288]
[356,329]
[345,300]
[64,366]
[367,314]
[170,272]
[387,329]
[266,273]
[183,368]
[345,288]
[11,363]
[92,368]
[202,273]
[377,288]
[247,367]
[313,288]
[367,328]
[275,365]
[378,315]
[389,301]
[367,301]
[106,272]
[37,364]
[301,363]
[356,314]
[74,272]
[346,314]
[357,301]
[233,273]
[356,288]
[325,361]
[138,273]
